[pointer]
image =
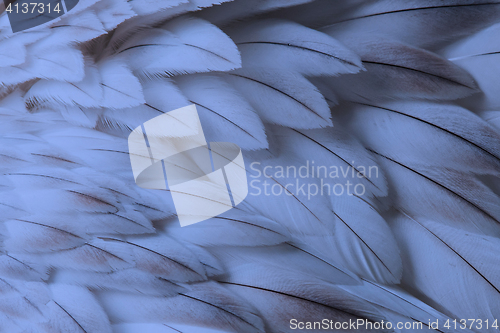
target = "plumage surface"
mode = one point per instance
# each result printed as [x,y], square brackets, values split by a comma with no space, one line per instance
[398,98]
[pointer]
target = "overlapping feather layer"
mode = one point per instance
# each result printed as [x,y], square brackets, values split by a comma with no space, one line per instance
[405,87]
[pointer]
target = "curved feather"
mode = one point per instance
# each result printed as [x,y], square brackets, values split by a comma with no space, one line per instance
[227,115]
[88,92]
[121,88]
[237,10]
[206,304]
[271,290]
[234,228]
[437,159]
[399,306]
[284,44]
[124,280]
[161,256]
[163,328]
[398,71]
[295,101]
[72,214]
[142,7]
[364,241]
[75,309]
[48,64]
[478,54]
[160,96]
[448,136]
[468,258]
[112,13]
[492,117]
[158,52]
[108,84]
[336,155]
[426,23]
[201,34]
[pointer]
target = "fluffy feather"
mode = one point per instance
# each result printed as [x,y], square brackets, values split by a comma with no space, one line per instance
[145,51]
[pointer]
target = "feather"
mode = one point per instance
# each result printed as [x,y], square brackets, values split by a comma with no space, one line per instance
[158,52]
[160,96]
[92,256]
[465,259]
[427,23]
[162,328]
[132,223]
[22,270]
[78,116]
[278,307]
[295,101]
[74,224]
[13,50]
[198,4]
[125,280]
[302,212]
[234,228]
[275,4]
[319,13]
[334,156]
[478,54]
[112,13]
[455,134]
[121,88]
[76,28]
[95,146]
[162,257]
[143,7]
[398,71]
[310,223]
[87,93]
[227,115]
[278,258]
[366,249]
[75,309]
[450,197]
[206,304]
[434,162]
[337,175]
[287,45]
[108,83]
[398,305]
[277,292]
[46,64]
[238,10]
[28,236]
[493,118]
[19,308]
[76,198]
[22,305]
[203,35]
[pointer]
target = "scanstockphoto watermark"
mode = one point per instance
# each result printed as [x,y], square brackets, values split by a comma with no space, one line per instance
[359,324]
[310,179]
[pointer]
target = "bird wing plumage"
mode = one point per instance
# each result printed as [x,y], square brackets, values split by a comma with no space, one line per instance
[405,88]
